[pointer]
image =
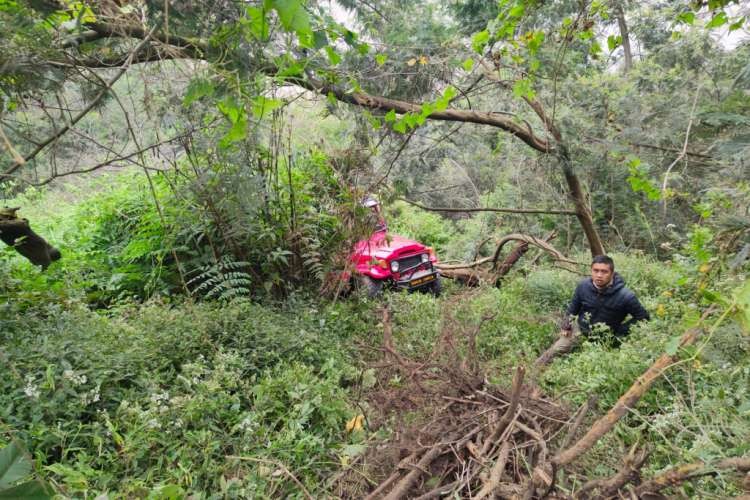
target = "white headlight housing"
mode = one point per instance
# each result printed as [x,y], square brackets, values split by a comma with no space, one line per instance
[394,266]
[425,257]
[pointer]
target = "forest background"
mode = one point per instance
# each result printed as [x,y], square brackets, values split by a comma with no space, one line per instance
[200,167]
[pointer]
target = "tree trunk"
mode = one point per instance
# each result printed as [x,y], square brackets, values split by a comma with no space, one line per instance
[625,37]
[579,199]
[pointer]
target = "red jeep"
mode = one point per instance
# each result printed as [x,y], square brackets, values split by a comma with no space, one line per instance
[393,261]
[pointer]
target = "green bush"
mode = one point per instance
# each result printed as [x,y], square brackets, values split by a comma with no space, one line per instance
[152,395]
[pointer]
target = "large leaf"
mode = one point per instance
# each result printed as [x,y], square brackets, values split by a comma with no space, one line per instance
[294,17]
[13,465]
[31,490]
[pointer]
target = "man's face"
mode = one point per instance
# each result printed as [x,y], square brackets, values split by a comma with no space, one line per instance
[601,274]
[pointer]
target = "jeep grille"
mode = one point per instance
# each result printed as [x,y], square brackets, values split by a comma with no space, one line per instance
[408,262]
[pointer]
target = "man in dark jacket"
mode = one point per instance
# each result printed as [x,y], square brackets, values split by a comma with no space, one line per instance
[600,299]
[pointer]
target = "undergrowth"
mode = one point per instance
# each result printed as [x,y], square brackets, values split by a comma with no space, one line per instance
[157,395]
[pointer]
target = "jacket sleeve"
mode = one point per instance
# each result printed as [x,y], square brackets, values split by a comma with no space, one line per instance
[573,308]
[636,310]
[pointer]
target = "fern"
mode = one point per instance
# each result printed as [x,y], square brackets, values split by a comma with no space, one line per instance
[224,280]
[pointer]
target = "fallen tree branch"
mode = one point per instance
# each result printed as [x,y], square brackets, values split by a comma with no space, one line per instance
[490,209]
[557,255]
[402,487]
[17,233]
[580,415]
[515,398]
[626,401]
[628,473]
[496,473]
[677,475]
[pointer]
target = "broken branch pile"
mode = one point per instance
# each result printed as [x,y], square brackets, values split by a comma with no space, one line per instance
[480,441]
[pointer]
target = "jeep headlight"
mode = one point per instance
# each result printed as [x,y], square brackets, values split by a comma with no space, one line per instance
[425,257]
[394,266]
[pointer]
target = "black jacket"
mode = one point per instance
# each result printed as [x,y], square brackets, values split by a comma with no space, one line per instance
[610,306]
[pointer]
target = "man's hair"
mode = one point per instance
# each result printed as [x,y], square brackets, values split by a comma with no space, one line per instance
[604,259]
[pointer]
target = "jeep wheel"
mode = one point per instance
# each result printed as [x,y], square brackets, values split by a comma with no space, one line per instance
[369,287]
[436,288]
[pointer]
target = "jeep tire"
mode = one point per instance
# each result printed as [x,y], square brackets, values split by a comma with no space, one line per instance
[368,287]
[436,288]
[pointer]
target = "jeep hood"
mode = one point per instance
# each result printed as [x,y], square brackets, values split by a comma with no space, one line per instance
[383,246]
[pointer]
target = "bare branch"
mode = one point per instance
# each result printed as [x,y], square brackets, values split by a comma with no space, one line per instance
[489,209]
[58,133]
[679,156]
[677,475]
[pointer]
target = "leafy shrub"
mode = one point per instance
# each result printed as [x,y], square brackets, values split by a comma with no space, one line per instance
[115,403]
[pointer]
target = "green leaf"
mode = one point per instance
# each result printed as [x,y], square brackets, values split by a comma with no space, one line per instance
[479,40]
[230,109]
[31,490]
[737,24]
[595,49]
[522,88]
[719,19]
[400,126]
[197,89]
[256,23]
[263,105]
[390,116]
[333,56]
[13,465]
[673,345]
[167,492]
[468,64]
[294,17]
[320,39]
[237,132]
[534,41]
[381,59]
[614,41]
[686,18]
[517,10]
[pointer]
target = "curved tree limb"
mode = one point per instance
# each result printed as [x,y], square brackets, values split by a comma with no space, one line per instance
[532,240]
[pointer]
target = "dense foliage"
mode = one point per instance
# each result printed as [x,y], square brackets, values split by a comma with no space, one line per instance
[201,170]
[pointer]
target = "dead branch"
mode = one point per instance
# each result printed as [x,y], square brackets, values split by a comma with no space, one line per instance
[393,477]
[623,405]
[402,488]
[103,92]
[489,209]
[580,415]
[496,474]
[509,412]
[532,240]
[677,475]
[17,233]
[629,472]
[467,277]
